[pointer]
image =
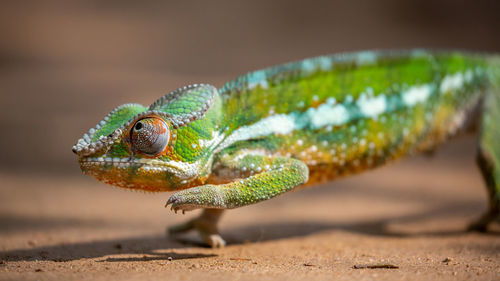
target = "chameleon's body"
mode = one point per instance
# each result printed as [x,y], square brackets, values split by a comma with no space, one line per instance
[311,121]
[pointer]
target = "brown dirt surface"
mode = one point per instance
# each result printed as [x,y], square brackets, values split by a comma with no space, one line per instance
[411,216]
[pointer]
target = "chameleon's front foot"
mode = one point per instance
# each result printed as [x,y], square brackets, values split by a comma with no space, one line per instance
[205,224]
[205,196]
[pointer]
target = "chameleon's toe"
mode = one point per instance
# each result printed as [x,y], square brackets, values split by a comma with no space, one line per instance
[172,200]
[205,224]
[209,233]
[182,202]
[213,240]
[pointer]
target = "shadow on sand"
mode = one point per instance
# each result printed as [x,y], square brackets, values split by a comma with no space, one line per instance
[150,247]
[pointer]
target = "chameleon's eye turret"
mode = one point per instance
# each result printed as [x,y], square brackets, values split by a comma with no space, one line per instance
[149,135]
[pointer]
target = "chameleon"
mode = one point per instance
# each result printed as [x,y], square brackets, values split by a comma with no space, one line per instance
[276,130]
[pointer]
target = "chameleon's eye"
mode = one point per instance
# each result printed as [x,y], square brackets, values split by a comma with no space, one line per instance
[149,135]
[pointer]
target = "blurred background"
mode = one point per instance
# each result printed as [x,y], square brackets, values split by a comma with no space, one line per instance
[65,64]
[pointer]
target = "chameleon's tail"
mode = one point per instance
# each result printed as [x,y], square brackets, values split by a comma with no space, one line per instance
[488,157]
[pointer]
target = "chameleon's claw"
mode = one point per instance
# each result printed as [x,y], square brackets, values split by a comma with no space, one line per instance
[185,200]
[173,199]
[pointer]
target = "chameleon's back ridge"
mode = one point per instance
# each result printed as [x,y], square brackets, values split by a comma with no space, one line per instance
[272,130]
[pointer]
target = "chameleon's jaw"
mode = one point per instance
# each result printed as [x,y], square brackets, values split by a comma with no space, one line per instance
[140,173]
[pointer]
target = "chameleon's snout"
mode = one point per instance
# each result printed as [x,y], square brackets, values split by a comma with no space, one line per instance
[73,149]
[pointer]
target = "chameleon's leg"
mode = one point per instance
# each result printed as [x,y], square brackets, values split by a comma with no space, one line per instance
[489,159]
[206,225]
[491,175]
[276,175]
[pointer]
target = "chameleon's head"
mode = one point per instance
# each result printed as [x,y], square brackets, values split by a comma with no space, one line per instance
[163,147]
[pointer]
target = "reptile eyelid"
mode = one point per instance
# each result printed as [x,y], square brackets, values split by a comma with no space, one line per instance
[151,137]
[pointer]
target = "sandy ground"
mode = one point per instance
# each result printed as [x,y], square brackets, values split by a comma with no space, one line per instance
[410,215]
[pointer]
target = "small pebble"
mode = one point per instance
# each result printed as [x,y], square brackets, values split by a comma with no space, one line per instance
[447,260]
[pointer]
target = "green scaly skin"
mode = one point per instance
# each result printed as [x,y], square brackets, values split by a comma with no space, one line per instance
[311,121]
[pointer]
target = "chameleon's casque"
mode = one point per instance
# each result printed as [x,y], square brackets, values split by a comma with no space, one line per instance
[305,122]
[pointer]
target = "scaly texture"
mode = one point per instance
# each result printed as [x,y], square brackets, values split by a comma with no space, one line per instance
[272,130]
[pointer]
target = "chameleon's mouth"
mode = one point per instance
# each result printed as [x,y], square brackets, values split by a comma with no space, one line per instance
[124,163]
